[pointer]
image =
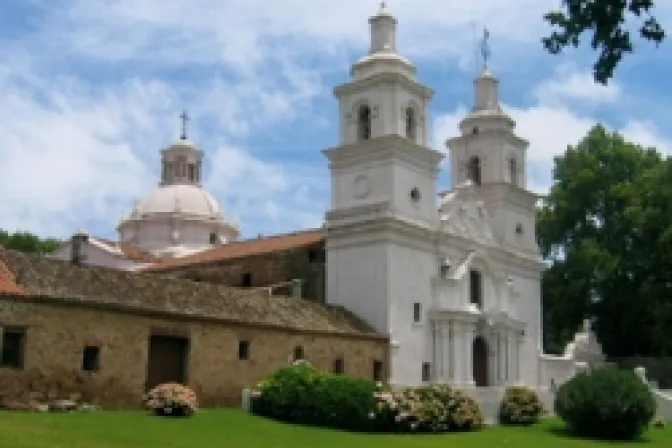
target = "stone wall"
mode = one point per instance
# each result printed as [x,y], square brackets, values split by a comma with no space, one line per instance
[306,263]
[56,336]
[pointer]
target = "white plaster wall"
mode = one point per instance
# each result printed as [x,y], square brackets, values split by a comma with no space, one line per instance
[357,278]
[406,178]
[528,309]
[380,180]
[94,257]
[410,272]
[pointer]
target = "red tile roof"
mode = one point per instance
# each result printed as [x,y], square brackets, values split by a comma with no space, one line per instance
[7,283]
[241,249]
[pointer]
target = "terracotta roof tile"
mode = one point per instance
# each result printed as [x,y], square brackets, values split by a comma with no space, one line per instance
[7,284]
[246,248]
[51,280]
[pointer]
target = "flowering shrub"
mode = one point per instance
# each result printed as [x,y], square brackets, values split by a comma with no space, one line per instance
[303,394]
[171,399]
[435,408]
[520,406]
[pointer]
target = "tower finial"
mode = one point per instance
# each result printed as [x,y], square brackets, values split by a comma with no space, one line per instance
[184,118]
[485,48]
[382,6]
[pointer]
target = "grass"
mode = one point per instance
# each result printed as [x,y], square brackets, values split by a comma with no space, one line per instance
[233,428]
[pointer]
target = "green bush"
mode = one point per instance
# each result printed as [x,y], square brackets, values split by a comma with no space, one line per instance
[606,403]
[520,406]
[302,394]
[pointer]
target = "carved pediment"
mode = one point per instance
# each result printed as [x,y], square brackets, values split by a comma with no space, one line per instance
[464,214]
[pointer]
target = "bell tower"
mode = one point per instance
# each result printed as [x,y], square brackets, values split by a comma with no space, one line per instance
[384,212]
[493,158]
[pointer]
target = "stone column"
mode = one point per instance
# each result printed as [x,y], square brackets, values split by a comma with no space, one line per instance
[511,347]
[439,347]
[459,354]
[468,346]
[501,358]
[449,363]
[519,342]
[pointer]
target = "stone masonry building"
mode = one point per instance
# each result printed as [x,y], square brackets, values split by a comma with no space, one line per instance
[109,334]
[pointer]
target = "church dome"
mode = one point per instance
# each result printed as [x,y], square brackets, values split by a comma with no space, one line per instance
[186,200]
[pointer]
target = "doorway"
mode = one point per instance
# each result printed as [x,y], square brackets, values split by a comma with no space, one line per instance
[480,361]
[167,360]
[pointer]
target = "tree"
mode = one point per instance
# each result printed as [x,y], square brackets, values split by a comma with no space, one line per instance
[27,242]
[606,18]
[590,228]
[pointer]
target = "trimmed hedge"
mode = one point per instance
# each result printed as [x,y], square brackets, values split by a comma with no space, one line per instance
[606,403]
[520,406]
[304,395]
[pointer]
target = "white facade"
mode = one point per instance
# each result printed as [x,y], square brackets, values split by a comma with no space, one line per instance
[455,282]
[179,217]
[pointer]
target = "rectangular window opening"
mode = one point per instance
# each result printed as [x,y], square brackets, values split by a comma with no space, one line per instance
[244,350]
[13,347]
[91,358]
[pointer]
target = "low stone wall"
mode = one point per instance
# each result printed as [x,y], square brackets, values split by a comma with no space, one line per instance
[28,390]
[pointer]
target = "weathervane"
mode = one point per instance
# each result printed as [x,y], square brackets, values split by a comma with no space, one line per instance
[184,118]
[485,48]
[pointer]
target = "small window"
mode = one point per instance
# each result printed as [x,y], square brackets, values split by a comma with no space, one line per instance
[244,350]
[91,359]
[476,288]
[474,170]
[426,371]
[246,280]
[519,229]
[364,122]
[13,347]
[192,172]
[298,353]
[410,123]
[316,255]
[474,130]
[415,194]
[416,312]
[339,366]
[377,370]
[213,238]
[513,171]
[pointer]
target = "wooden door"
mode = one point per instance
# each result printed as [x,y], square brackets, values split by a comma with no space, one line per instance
[167,360]
[480,362]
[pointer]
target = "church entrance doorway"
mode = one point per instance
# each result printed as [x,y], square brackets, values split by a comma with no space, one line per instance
[167,361]
[480,361]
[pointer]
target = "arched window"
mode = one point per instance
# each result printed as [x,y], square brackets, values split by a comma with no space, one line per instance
[364,122]
[513,171]
[474,170]
[410,123]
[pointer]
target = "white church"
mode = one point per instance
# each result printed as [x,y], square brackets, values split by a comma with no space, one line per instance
[453,277]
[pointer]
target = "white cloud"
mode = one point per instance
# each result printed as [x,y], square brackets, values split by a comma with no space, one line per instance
[571,84]
[550,125]
[91,96]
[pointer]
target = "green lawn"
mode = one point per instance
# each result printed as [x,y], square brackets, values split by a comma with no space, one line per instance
[234,428]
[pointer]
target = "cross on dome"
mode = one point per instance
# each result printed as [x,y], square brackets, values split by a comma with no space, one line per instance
[184,118]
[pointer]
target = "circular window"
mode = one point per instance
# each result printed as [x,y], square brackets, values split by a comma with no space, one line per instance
[415,194]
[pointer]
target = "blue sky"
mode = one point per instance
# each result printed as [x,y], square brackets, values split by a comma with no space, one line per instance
[91,91]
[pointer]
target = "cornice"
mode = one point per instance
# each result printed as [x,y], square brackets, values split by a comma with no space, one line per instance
[382,79]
